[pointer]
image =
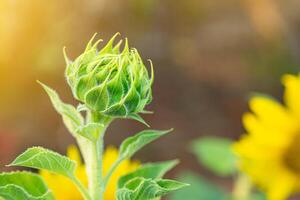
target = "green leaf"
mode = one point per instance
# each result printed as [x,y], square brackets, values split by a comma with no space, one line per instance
[91,131]
[71,117]
[40,158]
[258,196]
[147,189]
[215,154]
[149,170]
[138,118]
[23,186]
[199,189]
[133,144]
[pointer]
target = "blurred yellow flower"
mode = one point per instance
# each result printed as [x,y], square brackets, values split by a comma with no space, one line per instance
[64,189]
[270,152]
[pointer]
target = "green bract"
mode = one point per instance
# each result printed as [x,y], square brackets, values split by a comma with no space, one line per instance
[110,81]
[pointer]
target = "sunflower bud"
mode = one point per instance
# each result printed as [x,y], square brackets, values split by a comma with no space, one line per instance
[110,81]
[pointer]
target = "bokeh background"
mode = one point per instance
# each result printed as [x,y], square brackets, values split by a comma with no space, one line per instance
[209,55]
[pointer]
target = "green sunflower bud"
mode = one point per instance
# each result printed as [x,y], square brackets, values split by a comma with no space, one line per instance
[110,81]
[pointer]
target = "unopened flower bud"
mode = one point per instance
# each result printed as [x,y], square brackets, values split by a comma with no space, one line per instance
[110,81]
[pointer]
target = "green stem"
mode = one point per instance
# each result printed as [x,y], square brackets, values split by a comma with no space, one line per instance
[242,188]
[95,169]
[81,189]
[93,158]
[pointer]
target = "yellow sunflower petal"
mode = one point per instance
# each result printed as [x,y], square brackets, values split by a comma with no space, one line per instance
[272,113]
[249,148]
[110,156]
[73,154]
[269,151]
[292,93]
[282,187]
[262,133]
[62,187]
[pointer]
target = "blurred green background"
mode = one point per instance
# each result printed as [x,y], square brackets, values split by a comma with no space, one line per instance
[209,55]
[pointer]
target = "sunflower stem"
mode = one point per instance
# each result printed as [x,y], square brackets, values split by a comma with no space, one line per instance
[95,169]
[242,188]
[93,159]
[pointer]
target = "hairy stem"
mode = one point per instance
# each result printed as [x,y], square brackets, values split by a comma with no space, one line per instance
[93,158]
[94,169]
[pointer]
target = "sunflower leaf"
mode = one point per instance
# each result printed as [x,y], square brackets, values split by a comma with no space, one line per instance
[90,131]
[200,189]
[71,116]
[147,189]
[215,154]
[23,185]
[40,158]
[149,170]
[134,143]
